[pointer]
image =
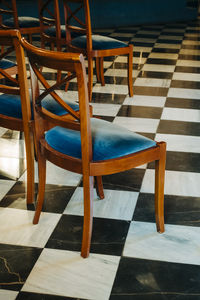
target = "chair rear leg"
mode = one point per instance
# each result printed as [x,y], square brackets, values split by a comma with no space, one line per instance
[99,186]
[159,188]
[88,183]
[90,77]
[97,67]
[41,186]
[101,71]
[130,71]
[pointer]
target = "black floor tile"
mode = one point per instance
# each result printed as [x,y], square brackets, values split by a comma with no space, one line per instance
[16,263]
[178,127]
[108,235]
[182,103]
[155,280]
[140,112]
[187,69]
[150,91]
[154,74]
[179,210]
[34,296]
[108,98]
[184,84]
[160,61]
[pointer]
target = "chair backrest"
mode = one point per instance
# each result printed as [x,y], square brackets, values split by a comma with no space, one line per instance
[15,86]
[77,19]
[49,16]
[66,62]
[8,9]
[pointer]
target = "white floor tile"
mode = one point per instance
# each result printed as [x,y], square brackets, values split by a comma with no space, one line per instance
[2,131]
[143,40]
[186,76]
[180,114]
[136,60]
[111,89]
[138,124]
[180,143]
[141,49]
[170,37]
[116,204]
[190,42]
[176,183]
[17,227]
[163,55]
[5,186]
[189,51]
[158,68]
[12,148]
[56,175]
[165,45]
[141,100]
[153,82]
[65,273]
[178,244]
[120,73]
[184,93]
[8,295]
[101,109]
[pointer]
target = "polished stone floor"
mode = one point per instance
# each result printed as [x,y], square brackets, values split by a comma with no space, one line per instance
[129,259]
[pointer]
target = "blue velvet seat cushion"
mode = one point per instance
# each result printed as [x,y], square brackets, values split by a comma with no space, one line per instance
[10,105]
[6,64]
[108,141]
[24,22]
[99,42]
[51,31]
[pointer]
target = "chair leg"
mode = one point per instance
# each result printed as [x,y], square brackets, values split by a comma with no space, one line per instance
[88,214]
[130,72]
[29,144]
[159,188]
[90,77]
[41,186]
[99,186]
[97,66]
[101,71]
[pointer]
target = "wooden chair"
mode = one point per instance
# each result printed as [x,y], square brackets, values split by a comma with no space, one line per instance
[9,19]
[15,109]
[92,45]
[85,145]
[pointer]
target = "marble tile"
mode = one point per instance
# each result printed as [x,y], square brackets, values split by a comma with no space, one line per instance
[189,51]
[111,89]
[12,148]
[163,55]
[142,49]
[136,60]
[179,128]
[17,227]
[186,76]
[56,175]
[147,32]
[152,82]
[188,63]
[65,273]
[144,40]
[176,183]
[182,103]
[181,30]
[108,236]
[116,204]
[181,143]
[5,186]
[142,100]
[143,279]
[165,45]
[170,37]
[12,168]
[180,114]
[140,112]
[8,295]
[144,242]
[2,131]
[101,109]
[120,73]
[184,93]
[158,68]
[39,296]
[121,34]
[137,124]
[190,42]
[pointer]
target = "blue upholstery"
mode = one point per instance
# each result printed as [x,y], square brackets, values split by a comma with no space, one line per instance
[6,64]
[108,140]
[51,31]
[24,22]
[10,105]
[99,42]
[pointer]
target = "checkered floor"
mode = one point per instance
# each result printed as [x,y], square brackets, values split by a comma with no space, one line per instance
[129,259]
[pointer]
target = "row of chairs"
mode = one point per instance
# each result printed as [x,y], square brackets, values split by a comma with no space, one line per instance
[66,133]
[76,35]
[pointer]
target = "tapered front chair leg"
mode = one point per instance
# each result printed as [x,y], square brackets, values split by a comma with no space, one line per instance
[99,186]
[41,186]
[130,71]
[159,188]
[88,183]
[90,77]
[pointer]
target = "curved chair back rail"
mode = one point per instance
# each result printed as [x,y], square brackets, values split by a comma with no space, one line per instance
[77,21]
[85,145]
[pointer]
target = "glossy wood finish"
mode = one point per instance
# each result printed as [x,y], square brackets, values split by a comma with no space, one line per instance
[11,39]
[9,9]
[84,27]
[74,63]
